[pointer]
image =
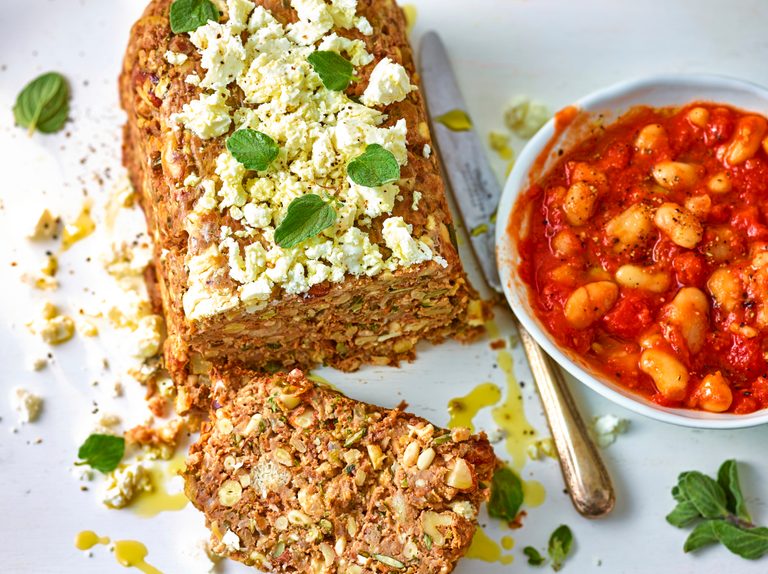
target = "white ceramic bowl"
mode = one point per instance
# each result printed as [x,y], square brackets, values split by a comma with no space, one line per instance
[658,91]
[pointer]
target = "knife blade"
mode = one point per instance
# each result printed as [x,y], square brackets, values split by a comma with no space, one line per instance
[475,187]
[477,192]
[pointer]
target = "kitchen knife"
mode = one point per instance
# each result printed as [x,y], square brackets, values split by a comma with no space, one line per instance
[477,192]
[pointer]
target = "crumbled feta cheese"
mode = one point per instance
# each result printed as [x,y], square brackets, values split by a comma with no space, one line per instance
[364,26]
[126,261]
[222,54]
[53,327]
[606,429]
[525,117]
[541,448]
[26,404]
[416,199]
[464,509]
[355,49]
[207,117]
[315,20]
[231,541]
[397,236]
[192,180]
[45,227]
[148,336]
[175,58]
[427,151]
[87,328]
[192,79]
[388,83]
[124,483]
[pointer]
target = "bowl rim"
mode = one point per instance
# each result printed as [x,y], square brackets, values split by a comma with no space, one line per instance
[517,182]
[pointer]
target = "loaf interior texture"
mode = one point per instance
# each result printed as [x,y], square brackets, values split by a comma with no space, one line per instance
[384,276]
[295,477]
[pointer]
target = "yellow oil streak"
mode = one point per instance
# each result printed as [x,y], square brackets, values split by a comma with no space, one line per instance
[455,120]
[128,553]
[132,554]
[410,16]
[87,539]
[153,502]
[464,409]
[486,549]
[79,229]
[323,382]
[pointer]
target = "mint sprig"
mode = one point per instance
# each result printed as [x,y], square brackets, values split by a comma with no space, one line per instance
[718,510]
[189,15]
[558,549]
[306,217]
[335,71]
[102,452]
[255,150]
[506,495]
[43,104]
[376,166]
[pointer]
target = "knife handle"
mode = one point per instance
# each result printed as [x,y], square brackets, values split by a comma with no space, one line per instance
[586,477]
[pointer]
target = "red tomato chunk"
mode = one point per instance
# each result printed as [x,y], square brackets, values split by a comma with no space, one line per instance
[647,255]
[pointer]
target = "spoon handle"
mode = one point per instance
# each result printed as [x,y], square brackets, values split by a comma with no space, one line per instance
[586,477]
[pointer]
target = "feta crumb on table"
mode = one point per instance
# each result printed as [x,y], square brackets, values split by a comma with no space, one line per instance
[28,405]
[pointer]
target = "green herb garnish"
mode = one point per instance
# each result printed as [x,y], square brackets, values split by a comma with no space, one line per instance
[307,216]
[558,549]
[560,546]
[43,104]
[335,71]
[376,166]
[253,149]
[506,495]
[718,509]
[534,556]
[102,452]
[189,15]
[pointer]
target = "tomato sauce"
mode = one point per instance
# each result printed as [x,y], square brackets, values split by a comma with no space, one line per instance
[647,254]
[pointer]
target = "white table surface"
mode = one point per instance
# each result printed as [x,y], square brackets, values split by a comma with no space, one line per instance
[552,50]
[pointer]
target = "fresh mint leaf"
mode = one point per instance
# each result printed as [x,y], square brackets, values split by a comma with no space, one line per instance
[560,544]
[189,15]
[335,71]
[728,479]
[534,556]
[43,104]
[703,535]
[506,495]
[255,150]
[307,216]
[376,166]
[749,543]
[684,513]
[705,494]
[102,452]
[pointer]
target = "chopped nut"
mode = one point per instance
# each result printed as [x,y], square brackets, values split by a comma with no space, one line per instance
[360,477]
[283,457]
[281,523]
[254,425]
[224,426]
[340,546]
[298,517]
[389,561]
[304,419]
[328,554]
[460,434]
[351,526]
[230,493]
[376,455]
[290,402]
[460,476]
[425,459]
[411,454]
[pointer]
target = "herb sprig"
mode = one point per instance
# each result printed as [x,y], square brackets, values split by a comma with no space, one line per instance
[558,549]
[719,512]
[506,495]
[376,166]
[189,15]
[102,452]
[255,150]
[306,217]
[335,71]
[43,104]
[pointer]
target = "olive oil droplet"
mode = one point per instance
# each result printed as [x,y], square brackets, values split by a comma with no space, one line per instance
[455,120]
